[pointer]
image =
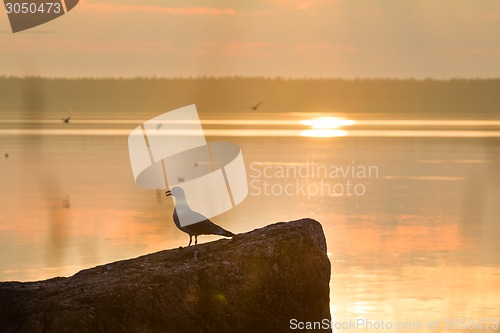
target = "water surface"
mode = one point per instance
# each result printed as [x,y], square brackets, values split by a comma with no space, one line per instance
[420,243]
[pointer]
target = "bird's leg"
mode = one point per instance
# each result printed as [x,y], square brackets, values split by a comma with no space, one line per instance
[195,239]
[190,240]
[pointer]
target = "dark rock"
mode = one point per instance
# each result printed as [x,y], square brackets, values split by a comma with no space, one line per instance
[254,282]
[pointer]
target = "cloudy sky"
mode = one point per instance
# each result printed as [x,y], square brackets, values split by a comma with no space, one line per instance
[290,38]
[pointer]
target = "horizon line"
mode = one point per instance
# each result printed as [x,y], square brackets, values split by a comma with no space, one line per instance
[250,77]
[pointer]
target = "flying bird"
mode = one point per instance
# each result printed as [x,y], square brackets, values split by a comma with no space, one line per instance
[256,106]
[6,155]
[204,227]
[66,120]
[65,202]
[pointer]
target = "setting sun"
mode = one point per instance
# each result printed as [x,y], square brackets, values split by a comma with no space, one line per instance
[326,127]
[328,122]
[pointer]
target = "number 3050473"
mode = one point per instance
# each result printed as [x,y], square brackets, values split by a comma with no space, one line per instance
[33,8]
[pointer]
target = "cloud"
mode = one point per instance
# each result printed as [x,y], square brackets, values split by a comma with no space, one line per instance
[485,51]
[324,47]
[210,49]
[493,16]
[275,50]
[110,8]
[301,5]
[88,47]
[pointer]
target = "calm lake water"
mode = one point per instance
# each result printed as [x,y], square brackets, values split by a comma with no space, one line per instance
[410,209]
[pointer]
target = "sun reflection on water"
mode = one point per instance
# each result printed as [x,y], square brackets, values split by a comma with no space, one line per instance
[323,133]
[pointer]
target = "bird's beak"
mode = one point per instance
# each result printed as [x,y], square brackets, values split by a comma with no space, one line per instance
[168,193]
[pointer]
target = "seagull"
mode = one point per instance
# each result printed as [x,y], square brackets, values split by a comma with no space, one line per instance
[65,202]
[256,106]
[204,227]
[66,120]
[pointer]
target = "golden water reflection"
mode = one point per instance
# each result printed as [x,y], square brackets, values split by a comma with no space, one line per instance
[323,133]
[318,127]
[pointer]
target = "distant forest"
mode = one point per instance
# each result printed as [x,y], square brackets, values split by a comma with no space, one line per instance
[147,97]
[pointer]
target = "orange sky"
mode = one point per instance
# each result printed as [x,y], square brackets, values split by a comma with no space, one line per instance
[291,38]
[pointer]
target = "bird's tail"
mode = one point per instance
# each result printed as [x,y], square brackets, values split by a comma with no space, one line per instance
[227,233]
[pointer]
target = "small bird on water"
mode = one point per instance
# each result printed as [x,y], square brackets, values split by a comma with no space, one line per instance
[204,227]
[66,120]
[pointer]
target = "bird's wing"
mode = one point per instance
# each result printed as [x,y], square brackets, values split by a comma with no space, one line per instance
[178,224]
[258,104]
[189,216]
[205,227]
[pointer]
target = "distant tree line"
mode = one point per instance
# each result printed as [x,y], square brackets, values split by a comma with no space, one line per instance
[145,97]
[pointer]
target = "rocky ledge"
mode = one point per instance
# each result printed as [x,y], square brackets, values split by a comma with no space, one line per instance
[255,282]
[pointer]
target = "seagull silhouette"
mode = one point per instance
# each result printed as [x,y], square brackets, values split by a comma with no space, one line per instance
[256,106]
[204,227]
[65,202]
[66,120]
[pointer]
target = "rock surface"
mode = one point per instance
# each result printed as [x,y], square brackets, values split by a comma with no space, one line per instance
[255,282]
